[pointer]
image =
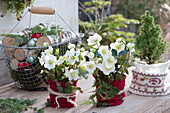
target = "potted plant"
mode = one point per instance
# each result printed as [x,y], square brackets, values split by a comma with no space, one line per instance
[149,75]
[108,65]
[63,73]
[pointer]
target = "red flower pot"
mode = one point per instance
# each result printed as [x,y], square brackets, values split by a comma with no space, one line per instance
[63,103]
[116,100]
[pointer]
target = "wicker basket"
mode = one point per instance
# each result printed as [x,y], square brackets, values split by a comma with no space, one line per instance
[28,76]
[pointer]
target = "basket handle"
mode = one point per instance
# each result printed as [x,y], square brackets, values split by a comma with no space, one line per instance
[42,10]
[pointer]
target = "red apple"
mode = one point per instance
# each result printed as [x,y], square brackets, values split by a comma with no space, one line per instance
[26,64]
[20,65]
[33,36]
[37,35]
[18,19]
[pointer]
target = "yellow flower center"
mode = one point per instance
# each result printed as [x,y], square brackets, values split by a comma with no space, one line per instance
[91,66]
[62,58]
[118,46]
[73,74]
[96,40]
[108,69]
[110,60]
[90,55]
[51,62]
[104,51]
[83,68]
[72,58]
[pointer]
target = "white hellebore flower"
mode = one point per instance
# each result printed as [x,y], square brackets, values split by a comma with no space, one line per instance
[82,49]
[91,55]
[72,57]
[49,51]
[45,44]
[110,61]
[84,53]
[83,66]
[131,47]
[117,46]
[42,59]
[72,74]
[104,51]
[60,60]
[95,60]
[95,39]
[71,46]
[91,66]
[50,62]
[106,70]
[67,54]
[119,40]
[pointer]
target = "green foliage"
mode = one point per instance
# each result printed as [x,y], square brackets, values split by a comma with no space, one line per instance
[106,26]
[19,39]
[83,73]
[44,31]
[149,43]
[114,53]
[14,105]
[67,89]
[60,89]
[135,8]
[123,53]
[16,6]
[47,104]
[86,102]
[102,87]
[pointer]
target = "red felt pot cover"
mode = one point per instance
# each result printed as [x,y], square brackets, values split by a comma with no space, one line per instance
[62,101]
[116,100]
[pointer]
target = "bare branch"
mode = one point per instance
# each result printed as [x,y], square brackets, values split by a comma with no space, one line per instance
[101,17]
[87,15]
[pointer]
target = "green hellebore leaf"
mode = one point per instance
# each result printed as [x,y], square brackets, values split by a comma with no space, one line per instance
[57,51]
[58,84]
[123,52]
[114,52]
[97,54]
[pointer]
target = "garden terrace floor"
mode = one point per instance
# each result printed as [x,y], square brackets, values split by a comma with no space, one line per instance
[133,103]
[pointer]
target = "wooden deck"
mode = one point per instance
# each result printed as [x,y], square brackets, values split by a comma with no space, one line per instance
[133,103]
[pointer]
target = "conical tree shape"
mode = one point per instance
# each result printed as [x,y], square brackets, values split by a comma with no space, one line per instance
[149,43]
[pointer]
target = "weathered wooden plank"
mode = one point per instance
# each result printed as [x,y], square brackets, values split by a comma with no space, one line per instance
[133,103]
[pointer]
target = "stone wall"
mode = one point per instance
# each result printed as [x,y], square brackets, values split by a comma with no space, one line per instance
[68,9]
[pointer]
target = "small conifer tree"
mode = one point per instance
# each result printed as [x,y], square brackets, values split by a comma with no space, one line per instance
[149,44]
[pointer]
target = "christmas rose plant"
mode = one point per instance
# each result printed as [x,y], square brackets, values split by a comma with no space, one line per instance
[107,64]
[66,68]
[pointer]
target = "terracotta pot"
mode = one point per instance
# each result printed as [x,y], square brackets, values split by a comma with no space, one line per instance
[116,100]
[63,103]
[150,80]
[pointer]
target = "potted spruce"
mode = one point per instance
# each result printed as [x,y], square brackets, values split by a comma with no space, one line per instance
[63,73]
[149,73]
[108,65]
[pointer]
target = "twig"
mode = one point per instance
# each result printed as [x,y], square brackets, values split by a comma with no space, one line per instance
[101,17]
[87,14]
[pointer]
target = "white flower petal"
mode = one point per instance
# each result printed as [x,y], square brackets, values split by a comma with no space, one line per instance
[49,50]
[50,62]
[95,39]
[91,66]
[71,46]
[91,55]
[72,74]
[104,51]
